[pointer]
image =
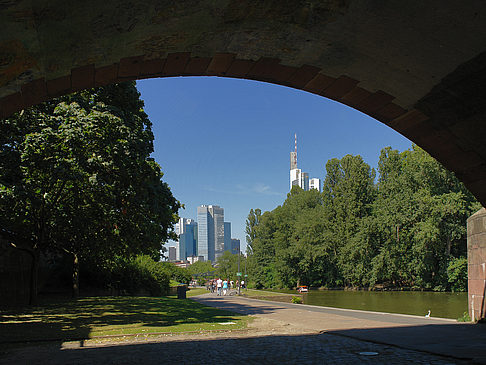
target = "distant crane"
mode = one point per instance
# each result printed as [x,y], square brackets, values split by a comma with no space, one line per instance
[428,314]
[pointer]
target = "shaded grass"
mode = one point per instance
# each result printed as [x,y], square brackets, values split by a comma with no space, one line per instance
[196,291]
[101,316]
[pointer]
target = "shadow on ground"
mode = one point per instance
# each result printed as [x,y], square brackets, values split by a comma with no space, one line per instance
[276,349]
[466,341]
[76,320]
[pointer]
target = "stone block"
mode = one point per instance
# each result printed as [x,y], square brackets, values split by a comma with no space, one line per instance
[302,76]
[130,67]
[34,92]
[319,83]
[262,68]
[239,68]
[176,64]
[389,112]
[374,102]
[197,66]
[476,286]
[477,271]
[10,104]
[340,87]
[355,96]
[106,75]
[220,63]
[59,86]
[408,120]
[280,74]
[464,161]
[82,78]
[151,68]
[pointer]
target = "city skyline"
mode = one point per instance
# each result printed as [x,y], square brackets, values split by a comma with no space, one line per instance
[226,141]
[297,176]
[207,237]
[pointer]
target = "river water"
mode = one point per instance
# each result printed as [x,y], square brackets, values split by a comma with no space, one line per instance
[444,305]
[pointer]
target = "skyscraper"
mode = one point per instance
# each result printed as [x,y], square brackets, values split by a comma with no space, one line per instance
[297,176]
[315,183]
[235,246]
[227,236]
[210,233]
[186,229]
[205,233]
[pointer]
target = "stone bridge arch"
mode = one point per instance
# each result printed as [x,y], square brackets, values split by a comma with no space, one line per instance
[417,66]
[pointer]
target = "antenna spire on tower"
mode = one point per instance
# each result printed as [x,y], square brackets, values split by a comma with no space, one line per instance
[295,149]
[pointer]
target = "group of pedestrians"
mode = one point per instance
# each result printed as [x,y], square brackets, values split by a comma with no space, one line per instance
[223,287]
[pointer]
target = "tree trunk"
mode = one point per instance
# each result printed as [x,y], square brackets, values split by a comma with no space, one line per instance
[34,270]
[75,276]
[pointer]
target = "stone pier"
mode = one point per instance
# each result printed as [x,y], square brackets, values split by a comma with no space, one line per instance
[476,264]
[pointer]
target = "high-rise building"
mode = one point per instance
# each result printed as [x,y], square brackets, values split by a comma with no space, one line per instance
[186,229]
[297,176]
[205,233]
[315,183]
[227,236]
[172,253]
[210,232]
[235,246]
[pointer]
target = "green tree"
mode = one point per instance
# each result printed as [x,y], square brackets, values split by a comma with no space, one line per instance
[251,223]
[76,176]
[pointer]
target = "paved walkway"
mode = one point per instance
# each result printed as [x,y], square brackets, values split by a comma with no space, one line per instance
[431,335]
[284,334]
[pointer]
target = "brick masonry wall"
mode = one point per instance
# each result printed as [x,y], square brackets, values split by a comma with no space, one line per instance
[476,264]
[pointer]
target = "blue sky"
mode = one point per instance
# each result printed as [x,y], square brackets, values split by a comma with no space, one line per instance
[227,141]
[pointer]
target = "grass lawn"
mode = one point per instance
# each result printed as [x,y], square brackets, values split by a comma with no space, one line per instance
[87,318]
[269,295]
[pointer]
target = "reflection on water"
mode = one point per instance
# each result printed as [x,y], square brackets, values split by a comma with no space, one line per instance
[445,305]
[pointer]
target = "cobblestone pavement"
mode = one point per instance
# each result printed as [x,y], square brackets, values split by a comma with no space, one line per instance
[277,335]
[266,342]
[273,349]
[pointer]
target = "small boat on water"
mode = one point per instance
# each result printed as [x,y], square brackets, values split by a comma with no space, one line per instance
[302,289]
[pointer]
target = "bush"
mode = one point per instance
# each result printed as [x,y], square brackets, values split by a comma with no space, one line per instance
[465,318]
[142,274]
[296,300]
[457,274]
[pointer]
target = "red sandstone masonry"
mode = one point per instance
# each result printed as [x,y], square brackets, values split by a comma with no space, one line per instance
[355,96]
[340,87]
[58,87]
[389,112]
[176,63]
[106,75]
[407,120]
[197,66]
[130,67]
[280,74]
[319,84]
[151,68]
[262,68]
[239,68]
[374,102]
[220,64]
[11,104]
[34,92]
[82,78]
[302,76]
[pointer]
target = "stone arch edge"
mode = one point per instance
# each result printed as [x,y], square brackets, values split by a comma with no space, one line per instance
[413,124]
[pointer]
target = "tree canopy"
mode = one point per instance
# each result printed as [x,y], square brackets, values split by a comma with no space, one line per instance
[405,229]
[76,176]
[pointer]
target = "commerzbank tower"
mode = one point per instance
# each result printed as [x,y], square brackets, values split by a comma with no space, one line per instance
[299,178]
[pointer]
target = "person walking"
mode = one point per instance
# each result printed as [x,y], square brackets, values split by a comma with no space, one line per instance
[225,287]
[219,285]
